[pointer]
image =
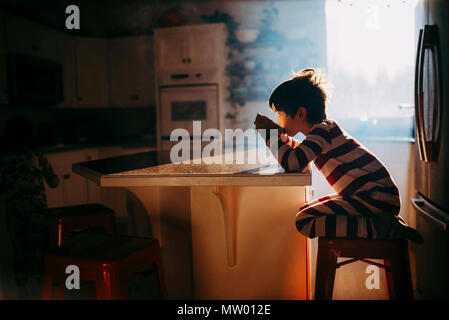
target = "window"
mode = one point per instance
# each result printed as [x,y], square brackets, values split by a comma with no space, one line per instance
[371,56]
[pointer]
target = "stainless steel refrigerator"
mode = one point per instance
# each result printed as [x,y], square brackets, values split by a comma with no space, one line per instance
[431,200]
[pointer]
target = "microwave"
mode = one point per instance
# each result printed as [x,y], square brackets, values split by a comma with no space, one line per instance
[33,80]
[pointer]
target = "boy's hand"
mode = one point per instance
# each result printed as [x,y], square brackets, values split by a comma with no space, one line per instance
[263,122]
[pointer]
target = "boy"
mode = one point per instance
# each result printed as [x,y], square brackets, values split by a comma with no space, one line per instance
[366,203]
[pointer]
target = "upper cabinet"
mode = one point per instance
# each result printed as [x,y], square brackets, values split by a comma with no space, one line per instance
[170,46]
[206,45]
[189,47]
[3,81]
[66,48]
[91,72]
[32,39]
[131,71]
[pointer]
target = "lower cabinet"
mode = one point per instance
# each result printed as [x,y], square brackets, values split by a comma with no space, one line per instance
[72,188]
[75,190]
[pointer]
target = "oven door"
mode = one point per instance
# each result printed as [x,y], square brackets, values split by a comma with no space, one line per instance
[181,105]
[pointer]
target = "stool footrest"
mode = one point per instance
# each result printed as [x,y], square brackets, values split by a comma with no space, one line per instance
[340,264]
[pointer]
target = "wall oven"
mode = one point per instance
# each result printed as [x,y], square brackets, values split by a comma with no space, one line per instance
[185,97]
[181,105]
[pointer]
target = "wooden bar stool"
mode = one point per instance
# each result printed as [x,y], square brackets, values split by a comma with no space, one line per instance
[393,252]
[63,220]
[105,259]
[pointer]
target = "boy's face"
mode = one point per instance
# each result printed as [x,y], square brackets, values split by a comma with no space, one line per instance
[293,125]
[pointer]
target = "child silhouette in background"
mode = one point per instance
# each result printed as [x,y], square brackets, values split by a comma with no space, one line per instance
[366,201]
[22,174]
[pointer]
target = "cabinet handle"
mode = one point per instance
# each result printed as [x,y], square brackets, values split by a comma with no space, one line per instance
[66,176]
[188,60]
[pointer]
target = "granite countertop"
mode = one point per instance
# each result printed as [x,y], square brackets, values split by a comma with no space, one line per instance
[148,169]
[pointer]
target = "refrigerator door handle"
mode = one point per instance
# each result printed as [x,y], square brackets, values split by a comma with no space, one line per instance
[421,205]
[418,97]
[429,41]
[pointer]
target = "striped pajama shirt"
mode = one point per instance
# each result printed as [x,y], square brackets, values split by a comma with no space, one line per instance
[362,184]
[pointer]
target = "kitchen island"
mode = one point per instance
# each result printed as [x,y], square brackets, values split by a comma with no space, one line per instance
[227,230]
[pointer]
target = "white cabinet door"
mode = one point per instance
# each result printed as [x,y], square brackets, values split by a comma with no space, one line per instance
[206,46]
[170,46]
[20,35]
[190,49]
[3,76]
[29,38]
[131,71]
[66,47]
[55,196]
[91,72]
[72,188]
[45,42]
[93,189]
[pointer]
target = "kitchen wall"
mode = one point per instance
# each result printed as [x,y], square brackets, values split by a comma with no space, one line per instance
[296,20]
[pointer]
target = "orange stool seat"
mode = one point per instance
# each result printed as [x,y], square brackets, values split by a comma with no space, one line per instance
[393,252]
[108,260]
[63,220]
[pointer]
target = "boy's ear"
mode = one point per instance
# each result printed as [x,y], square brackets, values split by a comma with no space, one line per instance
[302,113]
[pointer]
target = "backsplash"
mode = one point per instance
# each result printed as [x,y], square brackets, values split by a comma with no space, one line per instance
[87,126]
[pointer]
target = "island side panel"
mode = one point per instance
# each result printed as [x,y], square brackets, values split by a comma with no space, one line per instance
[169,212]
[271,255]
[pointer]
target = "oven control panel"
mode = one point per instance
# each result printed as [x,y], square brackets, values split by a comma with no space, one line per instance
[183,77]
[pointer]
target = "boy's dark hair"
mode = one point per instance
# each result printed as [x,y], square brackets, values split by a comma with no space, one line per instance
[304,89]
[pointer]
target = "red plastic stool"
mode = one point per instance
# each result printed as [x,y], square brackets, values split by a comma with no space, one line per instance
[107,260]
[63,220]
[393,252]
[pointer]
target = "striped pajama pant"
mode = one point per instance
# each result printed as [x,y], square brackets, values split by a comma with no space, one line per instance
[334,216]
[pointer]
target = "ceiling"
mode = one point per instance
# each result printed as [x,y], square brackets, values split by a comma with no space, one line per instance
[104,17]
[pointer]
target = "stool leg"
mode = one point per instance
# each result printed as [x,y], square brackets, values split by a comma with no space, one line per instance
[102,284]
[47,284]
[400,274]
[118,286]
[161,278]
[389,277]
[325,271]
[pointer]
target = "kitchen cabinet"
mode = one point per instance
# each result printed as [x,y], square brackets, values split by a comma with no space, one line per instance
[201,56]
[131,74]
[29,38]
[72,189]
[170,48]
[91,72]
[189,47]
[66,47]
[3,78]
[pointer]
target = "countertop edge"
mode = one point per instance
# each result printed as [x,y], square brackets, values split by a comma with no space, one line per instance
[114,180]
